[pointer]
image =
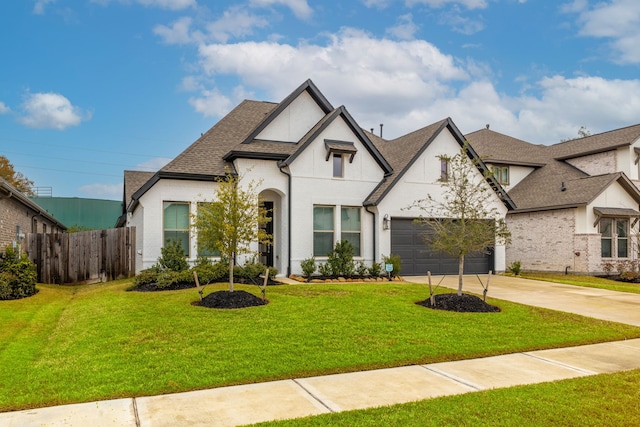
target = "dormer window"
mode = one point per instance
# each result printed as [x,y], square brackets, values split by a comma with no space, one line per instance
[501,174]
[337,151]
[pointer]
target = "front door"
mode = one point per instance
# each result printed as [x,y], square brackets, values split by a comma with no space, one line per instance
[266,250]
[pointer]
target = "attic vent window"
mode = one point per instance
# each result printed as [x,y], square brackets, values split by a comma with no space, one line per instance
[340,147]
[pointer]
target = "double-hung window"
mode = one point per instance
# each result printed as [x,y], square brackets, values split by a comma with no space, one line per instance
[176,224]
[323,230]
[350,225]
[614,237]
[338,168]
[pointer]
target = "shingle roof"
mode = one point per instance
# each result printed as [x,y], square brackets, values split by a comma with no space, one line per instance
[542,189]
[26,201]
[495,147]
[133,180]
[595,143]
[205,155]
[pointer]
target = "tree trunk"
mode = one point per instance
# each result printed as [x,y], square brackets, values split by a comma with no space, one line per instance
[460,272]
[231,273]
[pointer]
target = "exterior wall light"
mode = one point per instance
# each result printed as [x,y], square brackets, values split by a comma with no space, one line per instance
[386,222]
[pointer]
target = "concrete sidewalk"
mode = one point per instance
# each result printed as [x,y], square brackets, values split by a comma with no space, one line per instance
[245,404]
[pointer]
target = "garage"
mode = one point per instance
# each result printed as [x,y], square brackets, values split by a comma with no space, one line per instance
[417,258]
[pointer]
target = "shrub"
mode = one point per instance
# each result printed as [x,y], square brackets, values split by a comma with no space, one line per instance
[396,261]
[324,269]
[173,257]
[515,268]
[375,269]
[17,276]
[362,269]
[308,267]
[341,259]
[607,267]
[211,272]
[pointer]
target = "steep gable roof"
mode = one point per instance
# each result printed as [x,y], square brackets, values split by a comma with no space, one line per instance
[340,112]
[308,87]
[403,152]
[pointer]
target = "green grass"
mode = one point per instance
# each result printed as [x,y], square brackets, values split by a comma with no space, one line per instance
[586,281]
[93,342]
[601,400]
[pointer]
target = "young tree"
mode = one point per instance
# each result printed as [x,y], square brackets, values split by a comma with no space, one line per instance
[14,178]
[232,221]
[462,222]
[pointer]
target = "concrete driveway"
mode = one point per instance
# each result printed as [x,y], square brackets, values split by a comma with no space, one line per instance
[614,306]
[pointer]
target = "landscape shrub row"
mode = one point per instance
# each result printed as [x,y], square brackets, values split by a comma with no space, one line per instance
[17,275]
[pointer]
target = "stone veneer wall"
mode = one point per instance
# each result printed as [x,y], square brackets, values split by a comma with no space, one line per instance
[596,164]
[543,241]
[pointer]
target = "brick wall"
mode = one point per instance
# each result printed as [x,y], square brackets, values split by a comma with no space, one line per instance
[596,164]
[542,241]
[14,213]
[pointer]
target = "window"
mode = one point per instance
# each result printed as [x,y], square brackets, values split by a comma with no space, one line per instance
[322,230]
[350,224]
[444,169]
[176,224]
[337,166]
[501,174]
[614,237]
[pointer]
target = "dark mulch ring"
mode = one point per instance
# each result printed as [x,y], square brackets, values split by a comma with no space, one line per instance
[152,287]
[463,304]
[228,299]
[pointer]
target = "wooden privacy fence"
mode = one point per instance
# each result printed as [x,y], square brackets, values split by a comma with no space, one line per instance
[83,257]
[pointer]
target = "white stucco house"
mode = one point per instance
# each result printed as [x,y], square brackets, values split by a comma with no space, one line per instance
[576,202]
[325,177]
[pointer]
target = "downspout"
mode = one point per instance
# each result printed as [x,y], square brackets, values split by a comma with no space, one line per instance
[281,166]
[375,228]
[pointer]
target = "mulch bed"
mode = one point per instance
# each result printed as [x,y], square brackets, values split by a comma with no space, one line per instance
[228,299]
[462,304]
[152,287]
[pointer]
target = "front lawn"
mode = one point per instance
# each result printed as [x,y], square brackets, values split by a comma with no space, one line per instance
[586,281]
[94,342]
[601,400]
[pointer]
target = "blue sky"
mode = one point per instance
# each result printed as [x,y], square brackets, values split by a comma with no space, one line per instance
[89,88]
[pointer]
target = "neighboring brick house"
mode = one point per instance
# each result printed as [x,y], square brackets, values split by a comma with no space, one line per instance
[325,177]
[20,215]
[576,202]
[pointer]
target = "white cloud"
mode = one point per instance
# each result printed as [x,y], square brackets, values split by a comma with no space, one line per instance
[460,23]
[405,29]
[211,103]
[107,191]
[177,33]
[3,108]
[38,7]
[162,4]
[235,22]
[616,20]
[469,4]
[52,111]
[300,8]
